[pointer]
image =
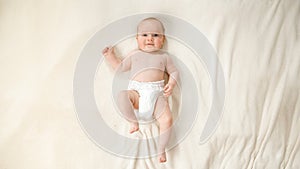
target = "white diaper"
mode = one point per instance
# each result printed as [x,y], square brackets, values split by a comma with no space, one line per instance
[148,92]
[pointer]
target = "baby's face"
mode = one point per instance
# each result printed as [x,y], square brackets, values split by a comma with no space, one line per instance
[150,42]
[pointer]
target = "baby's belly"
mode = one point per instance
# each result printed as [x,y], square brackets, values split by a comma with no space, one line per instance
[149,76]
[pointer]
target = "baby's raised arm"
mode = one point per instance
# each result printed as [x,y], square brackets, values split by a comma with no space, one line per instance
[110,56]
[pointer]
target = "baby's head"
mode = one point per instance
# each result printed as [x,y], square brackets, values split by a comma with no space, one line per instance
[150,35]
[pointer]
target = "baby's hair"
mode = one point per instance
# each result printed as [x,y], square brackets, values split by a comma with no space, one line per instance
[149,19]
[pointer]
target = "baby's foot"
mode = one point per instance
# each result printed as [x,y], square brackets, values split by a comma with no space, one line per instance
[134,127]
[162,157]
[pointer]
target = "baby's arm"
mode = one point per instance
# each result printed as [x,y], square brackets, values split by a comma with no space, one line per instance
[173,77]
[168,89]
[110,56]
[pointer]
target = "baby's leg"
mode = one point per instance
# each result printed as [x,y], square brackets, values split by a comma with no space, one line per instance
[164,117]
[127,101]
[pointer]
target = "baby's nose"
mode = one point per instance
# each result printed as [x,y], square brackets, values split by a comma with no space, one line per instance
[150,37]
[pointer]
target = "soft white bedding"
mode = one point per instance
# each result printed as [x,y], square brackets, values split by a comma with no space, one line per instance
[257,44]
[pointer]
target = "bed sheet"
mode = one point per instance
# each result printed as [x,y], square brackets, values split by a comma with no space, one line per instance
[257,44]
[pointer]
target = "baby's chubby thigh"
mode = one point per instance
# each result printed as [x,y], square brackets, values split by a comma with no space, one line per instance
[129,97]
[162,108]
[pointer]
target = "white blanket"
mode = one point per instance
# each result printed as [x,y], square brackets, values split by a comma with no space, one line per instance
[257,44]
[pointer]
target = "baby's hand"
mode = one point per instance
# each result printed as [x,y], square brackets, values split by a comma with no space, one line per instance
[168,89]
[108,51]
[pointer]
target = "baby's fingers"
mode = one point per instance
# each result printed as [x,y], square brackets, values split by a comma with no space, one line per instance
[105,50]
[166,88]
[167,91]
[167,94]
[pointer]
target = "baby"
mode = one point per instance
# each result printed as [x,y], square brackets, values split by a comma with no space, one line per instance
[147,94]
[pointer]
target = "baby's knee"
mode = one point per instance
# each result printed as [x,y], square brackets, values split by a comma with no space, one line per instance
[128,97]
[123,93]
[169,120]
[123,96]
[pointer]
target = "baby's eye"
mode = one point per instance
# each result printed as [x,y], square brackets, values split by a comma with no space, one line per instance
[155,35]
[145,35]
